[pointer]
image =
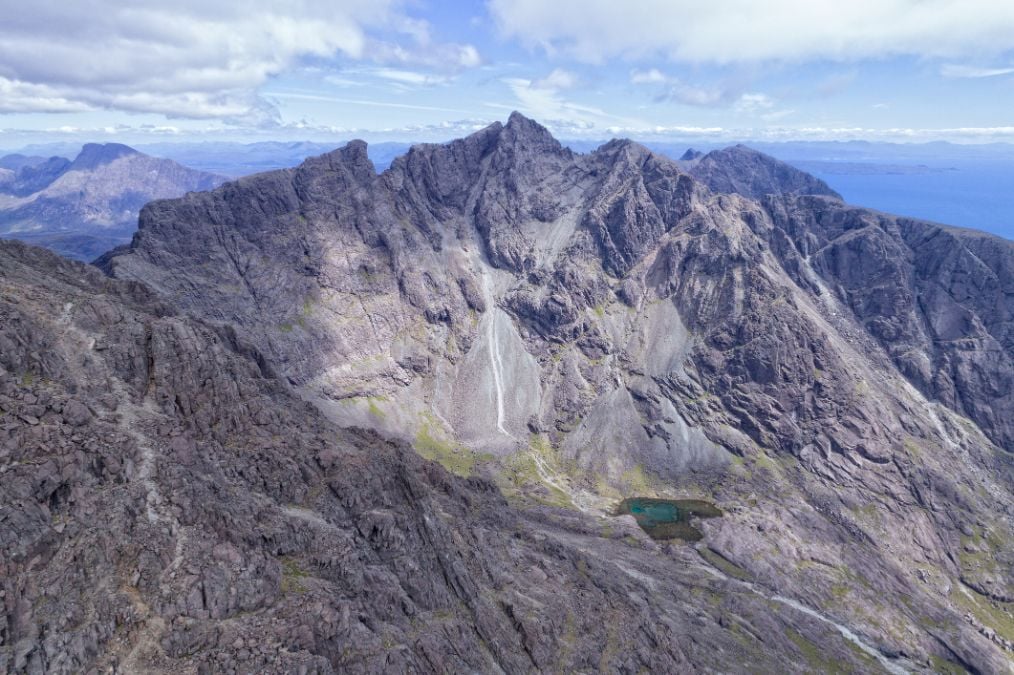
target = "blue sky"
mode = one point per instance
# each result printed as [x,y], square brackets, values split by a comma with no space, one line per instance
[897,70]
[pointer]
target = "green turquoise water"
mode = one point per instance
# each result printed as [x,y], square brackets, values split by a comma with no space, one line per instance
[668,518]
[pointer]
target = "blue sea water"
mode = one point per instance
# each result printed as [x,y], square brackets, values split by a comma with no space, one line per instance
[978,195]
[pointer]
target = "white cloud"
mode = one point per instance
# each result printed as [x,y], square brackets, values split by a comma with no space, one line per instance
[18,96]
[740,31]
[303,96]
[445,57]
[952,70]
[752,103]
[191,58]
[410,77]
[542,100]
[558,80]
[676,90]
[653,76]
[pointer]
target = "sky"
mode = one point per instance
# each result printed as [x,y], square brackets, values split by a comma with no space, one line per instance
[892,70]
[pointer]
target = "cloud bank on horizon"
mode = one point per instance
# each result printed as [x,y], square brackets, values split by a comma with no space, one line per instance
[401,69]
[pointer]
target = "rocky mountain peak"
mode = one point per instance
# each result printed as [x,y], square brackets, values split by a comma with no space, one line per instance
[690,155]
[627,152]
[751,173]
[17,161]
[351,158]
[524,131]
[93,155]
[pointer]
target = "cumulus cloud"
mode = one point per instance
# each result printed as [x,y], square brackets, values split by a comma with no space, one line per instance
[652,76]
[738,31]
[191,58]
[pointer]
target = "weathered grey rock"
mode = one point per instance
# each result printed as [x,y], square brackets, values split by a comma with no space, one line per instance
[75,413]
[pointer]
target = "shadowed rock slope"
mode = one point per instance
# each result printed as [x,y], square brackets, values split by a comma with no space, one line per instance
[582,328]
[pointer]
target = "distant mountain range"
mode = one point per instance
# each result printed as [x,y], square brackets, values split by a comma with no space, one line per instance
[83,207]
[242,159]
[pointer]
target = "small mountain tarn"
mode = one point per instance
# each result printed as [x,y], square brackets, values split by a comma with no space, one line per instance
[668,518]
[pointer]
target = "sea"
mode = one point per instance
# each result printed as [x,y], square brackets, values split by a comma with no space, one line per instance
[977,195]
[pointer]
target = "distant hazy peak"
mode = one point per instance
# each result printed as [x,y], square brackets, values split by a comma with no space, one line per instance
[690,155]
[17,161]
[97,154]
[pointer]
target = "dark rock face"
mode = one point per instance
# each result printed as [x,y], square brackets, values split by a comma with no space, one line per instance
[753,174]
[937,299]
[564,330]
[85,207]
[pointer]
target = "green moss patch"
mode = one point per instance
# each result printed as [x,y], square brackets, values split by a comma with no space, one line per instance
[454,457]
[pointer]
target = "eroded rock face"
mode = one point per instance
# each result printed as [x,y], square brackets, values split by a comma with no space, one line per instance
[606,325]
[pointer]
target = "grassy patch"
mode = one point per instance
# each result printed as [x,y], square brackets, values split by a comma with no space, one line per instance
[520,475]
[997,616]
[292,576]
[912,447]
[945,667]
[765,462]
[638,482]
[724,564]
[603,488]
[27,379]
[374,408]
[814,655]
[456,458]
